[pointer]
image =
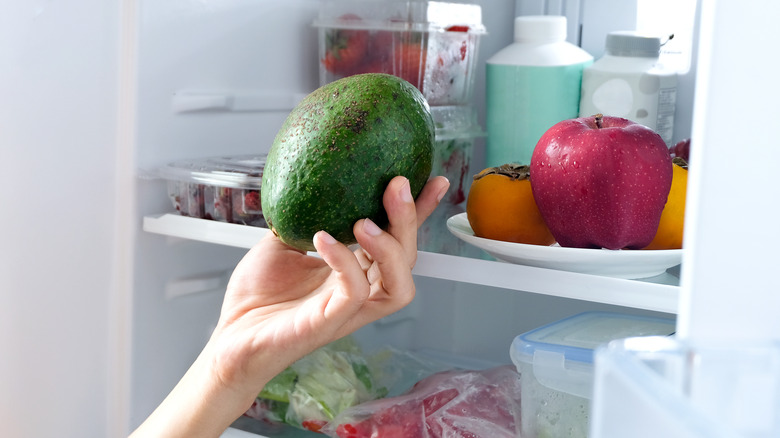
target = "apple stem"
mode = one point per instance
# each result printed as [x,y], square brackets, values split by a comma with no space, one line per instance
[598,120]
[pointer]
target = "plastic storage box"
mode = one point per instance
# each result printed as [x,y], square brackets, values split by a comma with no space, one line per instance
[225,189]
[556,367]
[457,130]
[433,45]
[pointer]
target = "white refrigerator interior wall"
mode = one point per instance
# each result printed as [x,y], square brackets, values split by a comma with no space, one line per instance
[58,106]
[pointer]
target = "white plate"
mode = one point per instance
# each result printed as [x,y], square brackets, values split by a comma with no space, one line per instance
[613,263]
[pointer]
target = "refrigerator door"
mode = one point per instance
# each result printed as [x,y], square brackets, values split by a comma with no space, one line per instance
[726,381]
[651,387]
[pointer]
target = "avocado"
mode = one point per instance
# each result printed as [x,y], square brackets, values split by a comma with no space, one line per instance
[336,152]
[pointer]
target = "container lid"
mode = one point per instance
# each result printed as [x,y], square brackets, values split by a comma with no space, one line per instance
[241,171]
[540,28]
[455,122]
[631,43]
[577,337]
[401,15]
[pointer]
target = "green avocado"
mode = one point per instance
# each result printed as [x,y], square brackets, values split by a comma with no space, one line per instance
[336,152]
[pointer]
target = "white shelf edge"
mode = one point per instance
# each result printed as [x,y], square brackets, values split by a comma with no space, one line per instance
[222,233]
[607,290]
[232,432]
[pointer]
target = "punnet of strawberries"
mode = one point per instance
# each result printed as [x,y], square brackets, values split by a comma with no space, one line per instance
[440,64]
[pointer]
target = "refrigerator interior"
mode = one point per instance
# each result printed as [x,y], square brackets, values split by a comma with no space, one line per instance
[105,304]
[195,61]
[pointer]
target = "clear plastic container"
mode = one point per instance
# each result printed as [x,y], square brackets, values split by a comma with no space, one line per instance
[225,189]
[433,45]
[556,367]
[457,130]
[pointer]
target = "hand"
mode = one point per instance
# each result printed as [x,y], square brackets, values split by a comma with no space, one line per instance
[281,304]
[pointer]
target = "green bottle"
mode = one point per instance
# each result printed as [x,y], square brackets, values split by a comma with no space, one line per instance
[532,84]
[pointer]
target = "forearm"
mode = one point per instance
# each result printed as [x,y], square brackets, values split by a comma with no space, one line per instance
[198,406]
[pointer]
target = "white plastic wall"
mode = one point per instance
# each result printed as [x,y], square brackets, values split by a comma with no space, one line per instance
[60,344]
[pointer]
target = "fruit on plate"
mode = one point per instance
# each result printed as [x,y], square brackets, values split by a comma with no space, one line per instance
[501,206]
[601,182]
[670,227]
[335,153]
[681,149]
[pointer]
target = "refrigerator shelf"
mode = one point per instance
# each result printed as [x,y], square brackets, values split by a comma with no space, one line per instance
[657,293]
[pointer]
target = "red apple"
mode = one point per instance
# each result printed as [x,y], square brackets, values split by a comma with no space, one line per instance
[601,182]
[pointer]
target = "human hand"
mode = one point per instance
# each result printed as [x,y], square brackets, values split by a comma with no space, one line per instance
[281,304]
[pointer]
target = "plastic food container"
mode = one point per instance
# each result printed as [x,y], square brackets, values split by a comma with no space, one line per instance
[225,189]
[457,130]
[433,45]
[555,362]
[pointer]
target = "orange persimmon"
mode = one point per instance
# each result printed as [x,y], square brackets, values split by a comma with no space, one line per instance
[670,227]
[501,206]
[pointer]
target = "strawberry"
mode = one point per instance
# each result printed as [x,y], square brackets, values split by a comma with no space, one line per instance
[409,63]
[379,60]
[345,49]
[252,200]
[457,28]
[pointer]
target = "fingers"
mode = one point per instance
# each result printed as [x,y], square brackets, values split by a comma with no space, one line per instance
[390,274]
[383,283]
[354,287]
[429,198]
[406,215]
[402,216]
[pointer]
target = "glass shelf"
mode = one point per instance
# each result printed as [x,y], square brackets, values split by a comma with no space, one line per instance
[657,293]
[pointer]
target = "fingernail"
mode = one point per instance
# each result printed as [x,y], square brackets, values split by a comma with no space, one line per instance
[326,238]
[406,192]
[371,228]
[443,191]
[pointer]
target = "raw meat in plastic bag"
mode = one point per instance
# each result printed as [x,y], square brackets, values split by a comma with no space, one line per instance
[313,390]
[449,404]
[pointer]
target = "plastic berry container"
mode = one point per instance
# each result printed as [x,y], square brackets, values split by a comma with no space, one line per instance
[432,45]
[225,189]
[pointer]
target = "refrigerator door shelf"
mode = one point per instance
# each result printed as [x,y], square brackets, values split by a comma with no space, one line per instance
[658,294]
[656,386]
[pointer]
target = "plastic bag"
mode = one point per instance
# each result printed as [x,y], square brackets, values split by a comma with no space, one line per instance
[468,404]
[316,388]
